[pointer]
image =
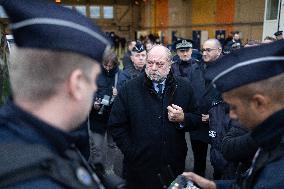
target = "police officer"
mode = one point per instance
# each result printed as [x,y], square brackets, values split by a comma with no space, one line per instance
[183,63]
[52,72]
[184,67]
[251,81]
[138,61]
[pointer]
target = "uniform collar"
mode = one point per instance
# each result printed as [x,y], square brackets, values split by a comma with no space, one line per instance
[269,133]
[35,130]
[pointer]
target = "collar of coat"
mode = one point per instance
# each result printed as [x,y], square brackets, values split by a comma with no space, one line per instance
[170,84]
[270,133]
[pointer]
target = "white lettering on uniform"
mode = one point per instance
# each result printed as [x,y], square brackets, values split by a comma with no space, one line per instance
[212,134]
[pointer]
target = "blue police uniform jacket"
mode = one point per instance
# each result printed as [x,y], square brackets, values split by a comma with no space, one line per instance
[128,74]
[21,127]
[267,170]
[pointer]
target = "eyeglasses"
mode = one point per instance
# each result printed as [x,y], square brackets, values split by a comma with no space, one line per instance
[208,50]
[158,64]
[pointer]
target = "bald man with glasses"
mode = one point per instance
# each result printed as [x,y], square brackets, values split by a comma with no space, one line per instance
[214,110]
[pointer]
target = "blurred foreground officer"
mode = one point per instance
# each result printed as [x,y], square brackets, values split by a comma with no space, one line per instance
[52,75]
[148,121]
[257,101]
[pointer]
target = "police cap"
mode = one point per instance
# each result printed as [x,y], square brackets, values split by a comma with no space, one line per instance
[183,44]
[139,47]
[43,24]
[278,33]
[246,66]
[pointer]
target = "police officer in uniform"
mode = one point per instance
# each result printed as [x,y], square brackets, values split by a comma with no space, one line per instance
[251,81]
[138,61]
[52,72]
[185,67]
[181,65]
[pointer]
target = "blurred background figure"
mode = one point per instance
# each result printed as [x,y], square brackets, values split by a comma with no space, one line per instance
[99,115]
[252,43]
[126,61]
[268,39]
[278,35]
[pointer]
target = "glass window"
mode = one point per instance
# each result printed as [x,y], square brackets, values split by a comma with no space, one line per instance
[272,9]
[2,13]
[81,9]
[95,11]
[108,12]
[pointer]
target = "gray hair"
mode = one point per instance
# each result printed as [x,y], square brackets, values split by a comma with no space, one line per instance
[37,74]
[216,42]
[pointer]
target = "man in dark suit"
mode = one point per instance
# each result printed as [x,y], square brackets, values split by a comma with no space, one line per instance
[148,121]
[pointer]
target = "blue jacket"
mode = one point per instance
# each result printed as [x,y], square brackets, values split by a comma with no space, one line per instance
[19,126]
[268,164]
[128,74]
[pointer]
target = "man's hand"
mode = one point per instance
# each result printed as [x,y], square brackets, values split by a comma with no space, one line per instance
[205,118]
[175,113]
[200,181]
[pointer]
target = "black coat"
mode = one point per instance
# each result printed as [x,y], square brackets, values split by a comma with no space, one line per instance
[182,68]
[238,145]
[126,61]
[151,144]
[105,83]
[210,102]
[128,74]
[22,128]
[268,165]
[195,74]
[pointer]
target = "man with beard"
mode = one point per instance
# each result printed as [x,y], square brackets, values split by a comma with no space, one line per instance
[148,120]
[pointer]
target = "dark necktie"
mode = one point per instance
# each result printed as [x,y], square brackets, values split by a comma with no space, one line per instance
[160,89]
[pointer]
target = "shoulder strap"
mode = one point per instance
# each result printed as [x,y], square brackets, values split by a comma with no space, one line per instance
[20,162]
[115,79]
